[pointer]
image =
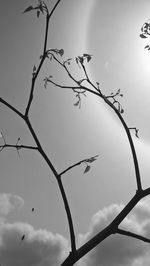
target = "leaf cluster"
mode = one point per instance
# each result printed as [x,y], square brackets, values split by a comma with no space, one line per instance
[40,8]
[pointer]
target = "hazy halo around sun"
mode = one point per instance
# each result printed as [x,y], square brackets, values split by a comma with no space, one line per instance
[120,60]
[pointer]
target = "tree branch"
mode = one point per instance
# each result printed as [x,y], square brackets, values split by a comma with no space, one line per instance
[70,221]
[12,108]
[58,178]
[107,231]
[130,234]
[105,98]
[18,147]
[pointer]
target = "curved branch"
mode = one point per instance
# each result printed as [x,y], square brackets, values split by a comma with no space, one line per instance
[134,156]
[70,221]
[133,235]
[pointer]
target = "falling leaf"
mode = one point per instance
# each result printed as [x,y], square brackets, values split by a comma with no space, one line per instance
[87,169]
[28,9]
[147,46]
[23,237]
[32,210]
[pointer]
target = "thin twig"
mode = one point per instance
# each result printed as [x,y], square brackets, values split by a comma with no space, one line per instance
[12,108]
[130,234]
[18,147]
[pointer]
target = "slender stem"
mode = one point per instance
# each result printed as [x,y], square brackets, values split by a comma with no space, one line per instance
[18,147]
[12,108]
[70,167]
[58,178]
[134,156]
[130,234]
[70,221]
[35,75]
[40,149]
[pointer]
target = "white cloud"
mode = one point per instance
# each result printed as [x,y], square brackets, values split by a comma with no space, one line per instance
[120,250]
[9,202]
[39,247]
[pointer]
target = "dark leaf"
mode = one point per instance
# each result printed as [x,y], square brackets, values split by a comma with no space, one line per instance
[32,210]
[23,237]
[81,59]
[147,46]
[76,104]
[122,111]
[34,68]
[89,58]
[38,13]
[87,169]
[61,52]
[92,159]
[28,9]
[142,36]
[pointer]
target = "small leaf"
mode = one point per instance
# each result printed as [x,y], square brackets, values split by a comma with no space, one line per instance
[34,68]
[81,59]
[23,237]
[122,111]
[76,104]
[28,9]
[61,52]
[92,159]
[38,13]
[118,91]
[147,46]
[32,210]
[142,36]
[87,169]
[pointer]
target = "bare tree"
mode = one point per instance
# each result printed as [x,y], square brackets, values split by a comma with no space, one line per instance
[80,88]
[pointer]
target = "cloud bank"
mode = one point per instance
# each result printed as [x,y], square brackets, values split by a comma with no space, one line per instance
[43,248]
[22,245]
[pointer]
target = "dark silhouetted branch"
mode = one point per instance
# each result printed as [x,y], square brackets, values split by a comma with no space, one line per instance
[12,108]
[70,221]
[133,235]
[18,147]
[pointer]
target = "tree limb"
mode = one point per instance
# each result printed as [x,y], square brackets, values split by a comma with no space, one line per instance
[12,108]
[18,147]
[130,234]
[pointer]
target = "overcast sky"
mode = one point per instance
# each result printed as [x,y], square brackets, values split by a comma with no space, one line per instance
[109,30]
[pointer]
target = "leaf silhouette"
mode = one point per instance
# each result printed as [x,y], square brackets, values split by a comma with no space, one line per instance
[61,52]
[38,13]
[23,237]
[28,9]
[92,159]
[88,167]
[142,36]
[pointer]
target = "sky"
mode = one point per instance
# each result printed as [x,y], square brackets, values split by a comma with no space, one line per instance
[109,30]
